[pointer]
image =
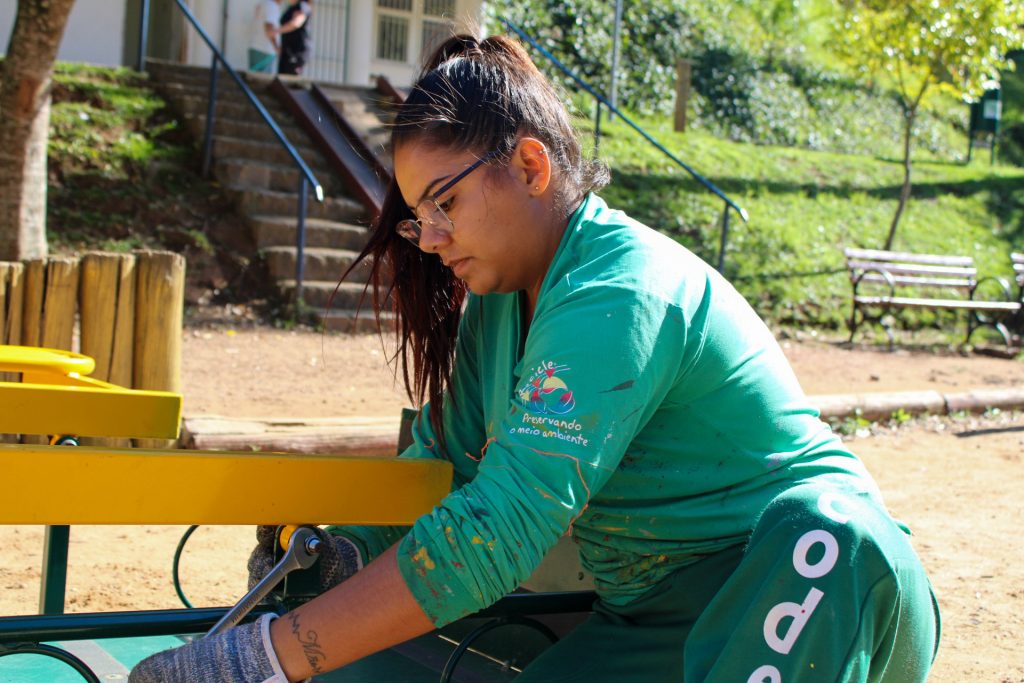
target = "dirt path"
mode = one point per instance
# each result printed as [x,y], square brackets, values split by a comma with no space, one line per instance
[958,483]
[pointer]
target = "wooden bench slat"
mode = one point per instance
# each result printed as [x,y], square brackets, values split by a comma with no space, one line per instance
[949,283]
[938,303]
[889,256]
[912,269]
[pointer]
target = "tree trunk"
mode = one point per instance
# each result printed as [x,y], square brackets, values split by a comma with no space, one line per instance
[908,135]
[25,78]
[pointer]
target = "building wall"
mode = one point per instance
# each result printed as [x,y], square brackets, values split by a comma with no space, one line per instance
[95,32]
[345,33]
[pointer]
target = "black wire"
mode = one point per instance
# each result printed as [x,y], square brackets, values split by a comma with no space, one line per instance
[177,560]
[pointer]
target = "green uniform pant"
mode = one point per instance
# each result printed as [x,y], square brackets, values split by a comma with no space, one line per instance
[828,589]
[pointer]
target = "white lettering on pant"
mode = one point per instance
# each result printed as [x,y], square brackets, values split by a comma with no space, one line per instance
[801,612]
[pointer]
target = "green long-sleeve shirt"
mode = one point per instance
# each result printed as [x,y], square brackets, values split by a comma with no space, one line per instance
[647,409]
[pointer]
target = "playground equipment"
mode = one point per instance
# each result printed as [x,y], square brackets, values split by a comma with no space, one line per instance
[55,485]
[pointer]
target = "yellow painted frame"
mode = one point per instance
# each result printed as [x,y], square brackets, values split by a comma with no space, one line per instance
[89,485]
[54,397]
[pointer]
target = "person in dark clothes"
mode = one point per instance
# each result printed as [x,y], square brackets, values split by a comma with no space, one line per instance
[295,38]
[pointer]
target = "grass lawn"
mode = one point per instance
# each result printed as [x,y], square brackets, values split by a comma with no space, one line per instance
[805,206]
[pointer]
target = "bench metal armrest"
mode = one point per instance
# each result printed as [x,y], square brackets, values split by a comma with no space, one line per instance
[886,275]
[1004,285]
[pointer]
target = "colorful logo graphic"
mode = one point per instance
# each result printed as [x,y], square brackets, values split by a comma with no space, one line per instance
[545,392]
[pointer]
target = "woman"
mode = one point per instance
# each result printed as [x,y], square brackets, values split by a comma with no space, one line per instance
[295,38]
[599,380]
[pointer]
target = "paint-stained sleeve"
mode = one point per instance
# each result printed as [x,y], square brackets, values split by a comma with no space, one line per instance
[595,367]
[464,432]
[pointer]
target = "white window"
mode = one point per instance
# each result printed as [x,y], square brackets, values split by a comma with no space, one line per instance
[408,28]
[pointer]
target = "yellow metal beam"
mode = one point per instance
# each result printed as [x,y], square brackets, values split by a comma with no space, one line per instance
[88,485]
[86,410]
[54,397]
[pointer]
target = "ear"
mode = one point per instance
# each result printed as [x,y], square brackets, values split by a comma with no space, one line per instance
[531,165]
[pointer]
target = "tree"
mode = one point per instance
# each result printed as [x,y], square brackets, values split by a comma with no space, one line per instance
[925,47]
[25,79]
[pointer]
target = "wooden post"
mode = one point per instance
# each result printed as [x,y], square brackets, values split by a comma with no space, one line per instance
[159,313]
[48,318]
[32,303]
[683,77]
[60,303]
[11,294]
[107,318]
[11,302]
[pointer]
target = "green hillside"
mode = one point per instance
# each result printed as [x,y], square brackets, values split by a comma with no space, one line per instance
[804,207]
[123,175]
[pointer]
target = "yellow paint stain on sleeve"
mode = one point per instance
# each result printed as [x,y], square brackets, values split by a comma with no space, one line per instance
[423,557]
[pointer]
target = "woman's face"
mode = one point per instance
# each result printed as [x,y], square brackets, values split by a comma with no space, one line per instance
[498,243]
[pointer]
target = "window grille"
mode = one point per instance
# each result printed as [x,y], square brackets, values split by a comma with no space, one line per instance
[392,37]
[434,33]
[438,8]
[400,5]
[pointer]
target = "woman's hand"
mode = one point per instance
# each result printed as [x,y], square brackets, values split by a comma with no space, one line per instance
[239,655]
[338,558]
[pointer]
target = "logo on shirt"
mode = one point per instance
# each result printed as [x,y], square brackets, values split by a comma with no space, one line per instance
[545,392]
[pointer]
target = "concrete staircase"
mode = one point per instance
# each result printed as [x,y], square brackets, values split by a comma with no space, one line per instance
[257,172]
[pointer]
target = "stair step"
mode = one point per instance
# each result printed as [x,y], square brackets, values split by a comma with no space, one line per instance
[257,202]
[320,263]
[240,110]
[225,146]
[317,294]
[226,91]
[235,172]
[253,129]
[175,72]
[272,231]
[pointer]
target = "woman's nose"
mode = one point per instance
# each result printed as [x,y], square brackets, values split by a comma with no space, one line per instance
[431,240]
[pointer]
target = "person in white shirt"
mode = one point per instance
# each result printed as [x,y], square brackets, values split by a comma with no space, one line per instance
[264,47]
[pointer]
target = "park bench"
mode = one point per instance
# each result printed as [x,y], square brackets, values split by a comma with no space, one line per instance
[886,282]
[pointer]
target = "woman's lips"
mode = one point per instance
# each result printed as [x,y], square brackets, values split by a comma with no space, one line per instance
[458,266]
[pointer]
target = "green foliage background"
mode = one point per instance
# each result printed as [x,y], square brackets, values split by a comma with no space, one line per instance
[761,71]
[824,170]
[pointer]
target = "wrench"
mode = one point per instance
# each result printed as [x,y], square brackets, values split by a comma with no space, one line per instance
[303,548]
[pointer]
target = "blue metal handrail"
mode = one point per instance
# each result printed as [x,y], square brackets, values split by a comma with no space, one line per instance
[306,176]
[711,187]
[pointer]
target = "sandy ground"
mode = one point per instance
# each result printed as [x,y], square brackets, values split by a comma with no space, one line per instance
[957,483]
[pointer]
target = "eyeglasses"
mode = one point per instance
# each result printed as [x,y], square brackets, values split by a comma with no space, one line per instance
[429,213]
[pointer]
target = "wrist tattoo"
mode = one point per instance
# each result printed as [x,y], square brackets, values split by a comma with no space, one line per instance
[310,647]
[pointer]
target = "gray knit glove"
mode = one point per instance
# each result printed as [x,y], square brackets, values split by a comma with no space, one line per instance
[338,558]
[238,655]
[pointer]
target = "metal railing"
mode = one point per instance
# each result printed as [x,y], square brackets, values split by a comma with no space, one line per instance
[306,177]
[601,100]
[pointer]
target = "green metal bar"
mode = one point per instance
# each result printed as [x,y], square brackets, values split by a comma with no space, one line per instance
[55,569]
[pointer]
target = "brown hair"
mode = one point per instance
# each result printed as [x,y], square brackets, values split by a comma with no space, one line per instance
[478,96]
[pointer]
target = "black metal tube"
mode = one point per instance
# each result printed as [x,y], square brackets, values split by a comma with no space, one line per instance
[140,62]
[54,579]
[724,239]
[80,667]
[211,112]
[565,602]
[300,244]
[483,629]
[96,625]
